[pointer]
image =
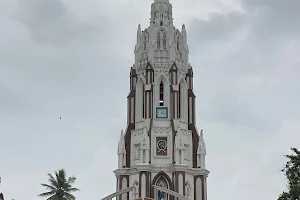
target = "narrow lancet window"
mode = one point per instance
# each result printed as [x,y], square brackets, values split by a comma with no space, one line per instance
[178,42]
[165,41]
[158,40]
[179,103]
[161,94]
[143,104]
[145,42]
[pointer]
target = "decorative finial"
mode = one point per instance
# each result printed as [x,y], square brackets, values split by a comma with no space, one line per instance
[201,134]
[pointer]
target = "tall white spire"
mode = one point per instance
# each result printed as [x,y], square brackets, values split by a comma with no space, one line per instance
[161,13]
[161,146]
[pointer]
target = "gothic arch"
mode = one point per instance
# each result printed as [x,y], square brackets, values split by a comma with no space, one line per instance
[177,34]
[161,38]
[166,85]
[173,73]
[174,66]
[161,176]
[149,66]
[164,175]
[177,39]
[141,81]
[162,77]
[139,98]
[149,73]
[163,35]
[158,42]
[146,35]
[183,99]
[183,81]
[145,39]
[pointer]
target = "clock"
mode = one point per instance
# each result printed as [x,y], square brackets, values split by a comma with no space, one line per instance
[161,112]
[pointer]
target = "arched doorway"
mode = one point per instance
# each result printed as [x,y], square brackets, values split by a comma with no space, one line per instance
[164,181]
[161,182]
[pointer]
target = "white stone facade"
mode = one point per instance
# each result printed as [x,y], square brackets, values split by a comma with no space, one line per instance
[161,145]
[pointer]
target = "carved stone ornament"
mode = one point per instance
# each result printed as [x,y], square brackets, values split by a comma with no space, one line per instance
[158,130]
[201,145]
[145,142]
[121,144]
[179,144]
[186,132]
[138,132]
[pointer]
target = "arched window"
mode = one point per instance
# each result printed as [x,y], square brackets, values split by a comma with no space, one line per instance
[161,23]
[162,182]
[179,102]
[161,94]
[182,100]
[158,40]
[143,104]
[165,41]
[140,99]
[145,42]
[178,42]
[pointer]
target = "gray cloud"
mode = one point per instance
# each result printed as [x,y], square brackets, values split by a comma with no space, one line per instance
[217,27]
[245,53]
[70,59]
[10,100]
[238,112]
[275,18]
[51,22]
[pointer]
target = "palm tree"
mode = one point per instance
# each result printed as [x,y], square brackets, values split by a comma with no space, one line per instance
[60,186]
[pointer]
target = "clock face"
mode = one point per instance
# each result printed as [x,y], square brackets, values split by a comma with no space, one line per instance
[161,112]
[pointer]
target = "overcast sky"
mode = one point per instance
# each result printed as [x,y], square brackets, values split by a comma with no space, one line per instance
[71,59]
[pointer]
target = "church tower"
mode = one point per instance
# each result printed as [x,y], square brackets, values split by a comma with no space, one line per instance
[161,146]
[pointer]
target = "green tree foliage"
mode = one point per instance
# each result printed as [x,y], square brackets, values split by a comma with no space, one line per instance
[59,187]
[292,173]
